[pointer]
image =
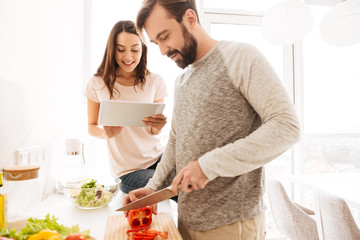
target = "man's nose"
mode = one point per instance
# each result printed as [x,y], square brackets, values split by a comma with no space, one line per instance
[163,49]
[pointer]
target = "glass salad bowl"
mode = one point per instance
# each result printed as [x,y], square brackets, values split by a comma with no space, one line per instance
[91,193]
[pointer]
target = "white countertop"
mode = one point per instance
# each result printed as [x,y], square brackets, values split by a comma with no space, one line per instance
[94,219]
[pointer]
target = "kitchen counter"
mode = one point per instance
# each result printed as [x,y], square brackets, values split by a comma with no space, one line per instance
[94,219]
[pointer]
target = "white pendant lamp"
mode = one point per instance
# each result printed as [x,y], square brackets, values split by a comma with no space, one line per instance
[341,24]
[287,22]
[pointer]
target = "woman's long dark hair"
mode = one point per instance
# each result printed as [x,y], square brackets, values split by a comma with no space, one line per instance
[108,66]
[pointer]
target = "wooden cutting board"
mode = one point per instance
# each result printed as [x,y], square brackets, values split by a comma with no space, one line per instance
[117,226]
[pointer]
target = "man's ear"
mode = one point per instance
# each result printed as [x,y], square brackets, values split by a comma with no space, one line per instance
[190,18]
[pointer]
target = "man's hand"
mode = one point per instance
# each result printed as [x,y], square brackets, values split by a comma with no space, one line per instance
[191,177]
[112,131]
[136,194]
[156,122]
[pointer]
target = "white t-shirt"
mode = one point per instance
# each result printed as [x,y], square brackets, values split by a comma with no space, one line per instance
[133,148]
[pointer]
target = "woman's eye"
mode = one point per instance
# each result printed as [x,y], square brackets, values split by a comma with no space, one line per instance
[121,50]
[135,50]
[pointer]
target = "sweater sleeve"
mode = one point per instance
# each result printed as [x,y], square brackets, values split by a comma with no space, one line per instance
[254,77]
[166,169]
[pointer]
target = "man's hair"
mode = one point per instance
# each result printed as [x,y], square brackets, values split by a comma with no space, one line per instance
[175,8]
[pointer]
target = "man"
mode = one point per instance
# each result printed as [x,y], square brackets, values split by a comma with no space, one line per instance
[231,116]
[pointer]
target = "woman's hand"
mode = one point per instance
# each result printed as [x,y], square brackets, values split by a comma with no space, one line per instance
[112,131]
[156,122]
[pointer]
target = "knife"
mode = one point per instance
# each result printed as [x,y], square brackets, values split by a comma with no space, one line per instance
[150,199]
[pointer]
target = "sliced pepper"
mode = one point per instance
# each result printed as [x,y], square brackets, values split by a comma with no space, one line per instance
[145,234]
[161,234]
[45,235]
[143,238]
[141,217]
[136,229]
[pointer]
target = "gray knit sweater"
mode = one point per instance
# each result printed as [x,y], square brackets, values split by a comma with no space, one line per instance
[232,113]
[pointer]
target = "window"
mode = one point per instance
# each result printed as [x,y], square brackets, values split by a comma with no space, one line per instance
[331,119]
[324,88]
[254,5]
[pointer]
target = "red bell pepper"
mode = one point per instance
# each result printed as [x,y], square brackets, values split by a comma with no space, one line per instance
[144,233]
[141,217]
[140,220]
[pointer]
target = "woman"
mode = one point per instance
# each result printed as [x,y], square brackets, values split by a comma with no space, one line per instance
[123,75]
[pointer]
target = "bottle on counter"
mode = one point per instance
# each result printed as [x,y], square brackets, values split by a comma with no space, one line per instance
[3,204]
[73,165]
[22,185]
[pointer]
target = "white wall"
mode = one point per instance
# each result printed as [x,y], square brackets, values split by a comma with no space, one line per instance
[48,51]
[43,68]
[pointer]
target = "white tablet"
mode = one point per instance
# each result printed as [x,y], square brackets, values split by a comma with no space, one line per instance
[123,113]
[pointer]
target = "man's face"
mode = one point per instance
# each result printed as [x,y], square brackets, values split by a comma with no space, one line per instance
[173,39]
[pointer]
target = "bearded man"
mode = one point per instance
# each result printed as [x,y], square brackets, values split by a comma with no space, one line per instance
[231,116]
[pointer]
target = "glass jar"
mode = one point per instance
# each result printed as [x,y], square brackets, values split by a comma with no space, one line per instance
[73,166]
[23,189]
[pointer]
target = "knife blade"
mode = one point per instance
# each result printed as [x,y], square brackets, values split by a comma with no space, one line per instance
[150,199]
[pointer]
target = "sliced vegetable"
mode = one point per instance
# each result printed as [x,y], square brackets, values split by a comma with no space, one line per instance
[75,236]
[140,220]
[90,184]
[145,234]
[136,229]
[141,217]
[45,235]
[92,194]
[143,238]
[34,226]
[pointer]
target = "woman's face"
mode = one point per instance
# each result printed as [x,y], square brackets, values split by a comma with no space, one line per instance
[128,51]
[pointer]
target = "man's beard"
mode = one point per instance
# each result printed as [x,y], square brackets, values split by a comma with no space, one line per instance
[188,52]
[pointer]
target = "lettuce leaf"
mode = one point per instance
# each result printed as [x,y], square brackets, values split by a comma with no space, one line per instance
[34,226]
